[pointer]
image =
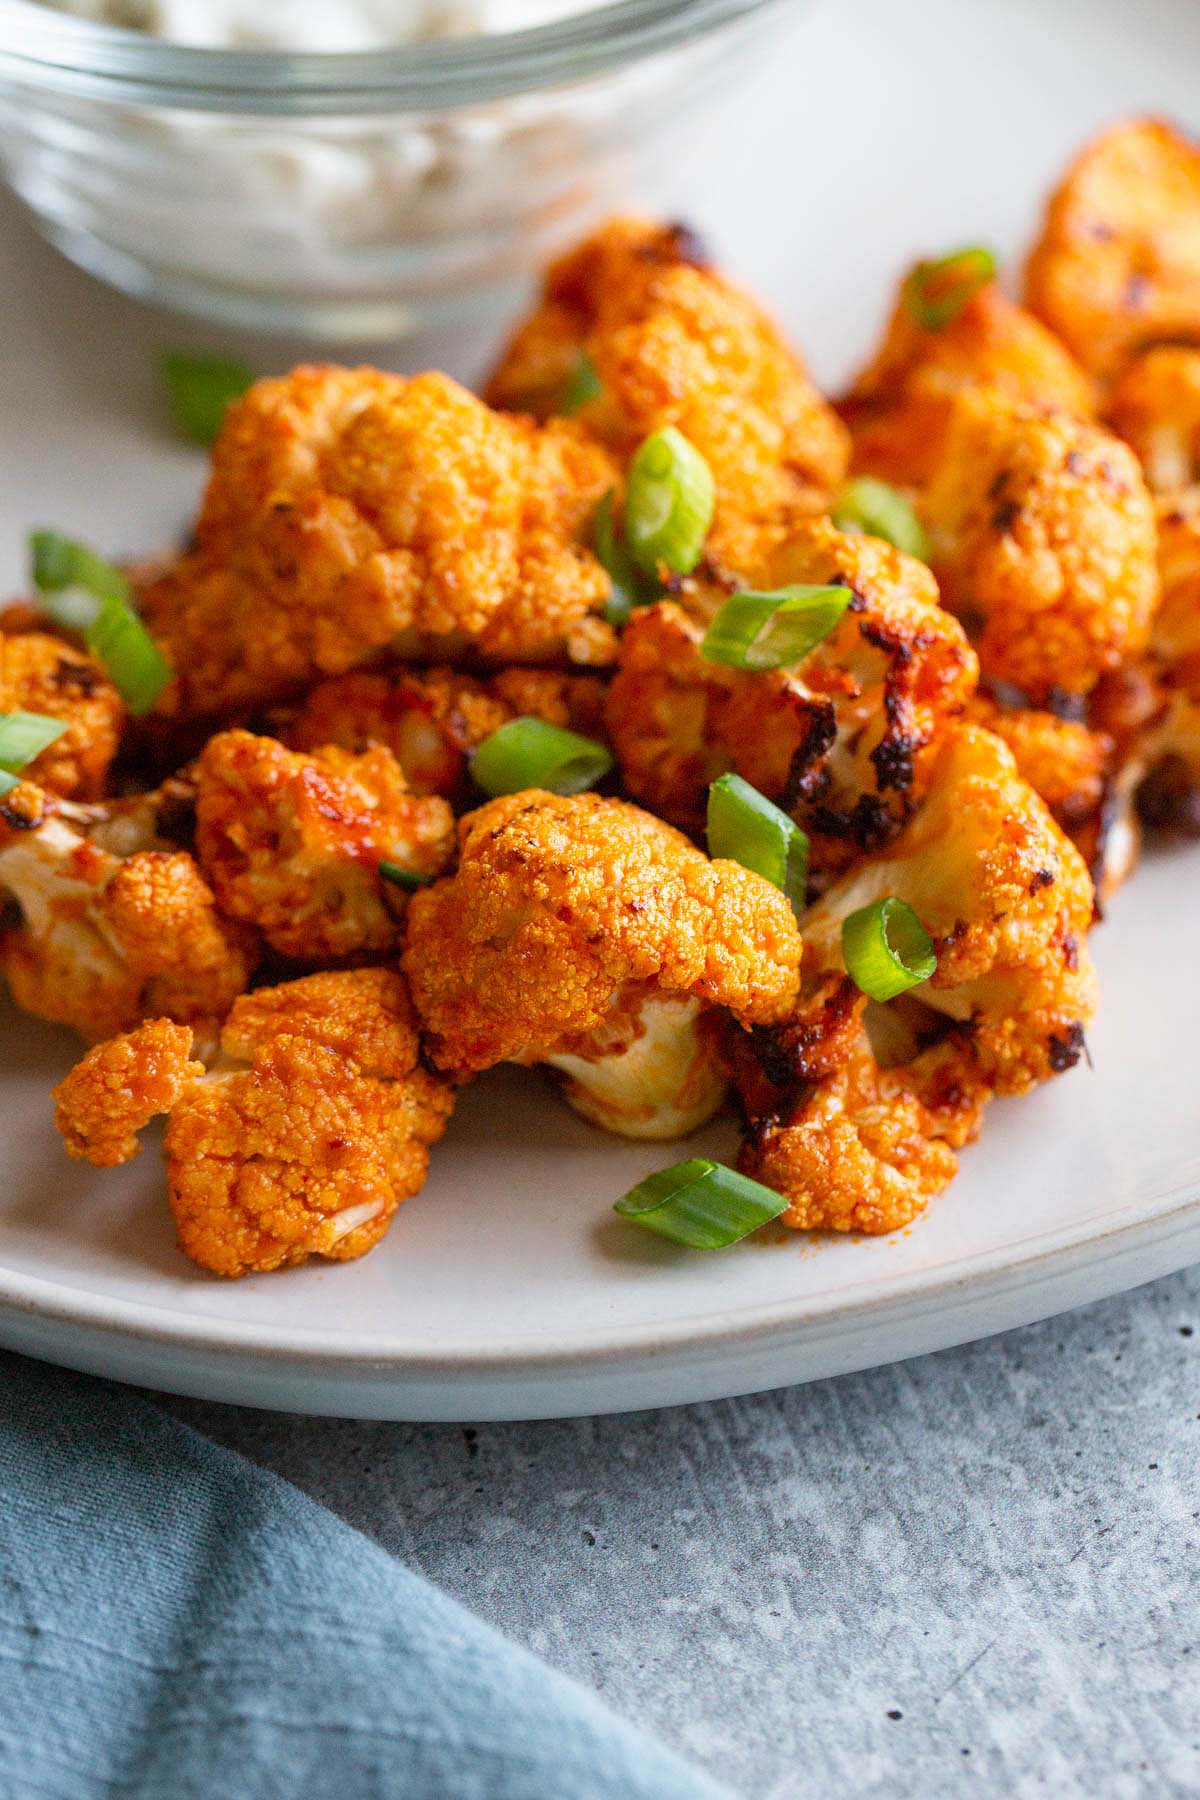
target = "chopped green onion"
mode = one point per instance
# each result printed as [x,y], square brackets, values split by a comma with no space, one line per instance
[630,587]
[886,949]
[768,631]
[72,581]
[8,782]
[23,736]
[746,827]
[199,388]
[530,753]
[82,592]
[583,384]
[668,503]
[408,879]
[881,511]
[936,292]
[134,663]
[701,1204]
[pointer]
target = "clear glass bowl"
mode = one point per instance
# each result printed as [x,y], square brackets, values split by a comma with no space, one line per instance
[348,195]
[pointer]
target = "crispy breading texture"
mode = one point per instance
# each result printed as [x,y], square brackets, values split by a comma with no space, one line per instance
[39,673]
[431,719]
[1006,899]
[842,740]
[562,906]
[1155,407]
[105,940]
[1117,265]
[1042,527]
[676,343]
[900,404]
[303,1142]
[292,843]
[349,511]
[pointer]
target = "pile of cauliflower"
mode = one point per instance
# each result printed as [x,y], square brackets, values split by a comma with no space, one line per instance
[283,914]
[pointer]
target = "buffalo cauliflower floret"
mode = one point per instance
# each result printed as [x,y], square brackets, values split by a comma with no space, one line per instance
[1117,266]
[1041,528]
[1007,900]
[40,673]
[1152,704]
[900,405]
[841,740]
[1155,407]
[301,1141]
[292,844]
[100,937]
[675,343]
[432,719]
[350,511]
[584,933]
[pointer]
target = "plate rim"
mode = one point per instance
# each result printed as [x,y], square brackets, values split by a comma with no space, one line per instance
[1032,1262]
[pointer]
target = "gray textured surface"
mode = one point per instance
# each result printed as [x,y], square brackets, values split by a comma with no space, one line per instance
[975,1572]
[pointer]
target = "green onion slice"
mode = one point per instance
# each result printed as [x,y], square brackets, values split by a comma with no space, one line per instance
[881,511]
[936,292]
[668,503]
[630,587]
[23,736]
[746,827]
[72,581]
[403,878]
[529,753]
[767,631]
[199,388]
[135,664]
[701,1204]
[583,384]
[886,949]
[82,592]
[8,782]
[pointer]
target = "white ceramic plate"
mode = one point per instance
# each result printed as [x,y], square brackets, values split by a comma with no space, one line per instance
[507,1289]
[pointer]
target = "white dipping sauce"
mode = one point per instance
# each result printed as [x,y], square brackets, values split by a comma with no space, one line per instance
[300,25]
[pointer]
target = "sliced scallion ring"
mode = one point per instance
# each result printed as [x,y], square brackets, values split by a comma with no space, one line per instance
[746,827]
[769,631]
[72,581]
[630,587]
[530,753]
[936,292]
[135,665]
[886,949]
[880,510]
[583,384]
[701,1204]
[199,388]
[8,782]
[669,503]
[408,879]
[23,736]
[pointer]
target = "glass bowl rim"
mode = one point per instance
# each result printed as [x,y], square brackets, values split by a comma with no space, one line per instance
[67,54]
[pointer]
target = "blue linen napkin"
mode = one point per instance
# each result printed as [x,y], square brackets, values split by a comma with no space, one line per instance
[176,1624]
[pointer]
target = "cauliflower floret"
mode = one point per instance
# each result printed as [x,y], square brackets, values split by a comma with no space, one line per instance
[106,937]
[350,511]
[40,673]
[842,739]
[899,407]
[1042,528]
[1117,266]
[302,1141]
[432,719]
[292,843]
[584,933]
[1151,705]
[675,343]
[1006,899]
[1155,407]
